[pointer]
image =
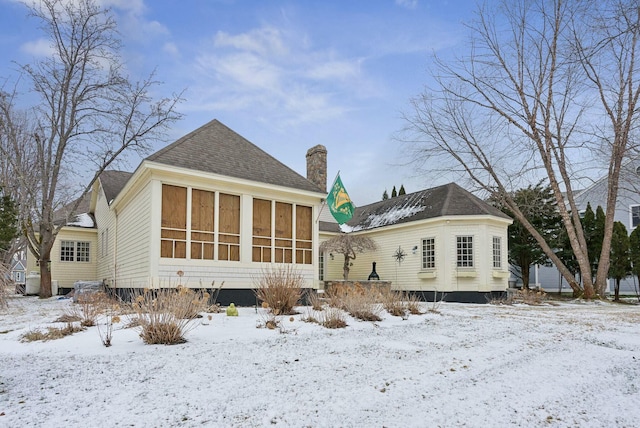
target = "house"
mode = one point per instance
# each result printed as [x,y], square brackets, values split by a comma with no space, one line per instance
[627,211]
[213,208]
[18,271]
[208,209]
[443,240]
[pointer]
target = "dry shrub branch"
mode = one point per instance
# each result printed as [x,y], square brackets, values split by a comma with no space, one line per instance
[164,316]
[280,288]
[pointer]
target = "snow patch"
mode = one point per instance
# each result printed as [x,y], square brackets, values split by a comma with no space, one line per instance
[82,220]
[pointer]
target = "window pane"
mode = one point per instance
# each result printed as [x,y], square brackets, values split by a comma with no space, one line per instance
[82,254]
[497,252]
[229,227]
[67,249]
[464,251]
[261,230]
[428,253]
[635,215]
[174,222]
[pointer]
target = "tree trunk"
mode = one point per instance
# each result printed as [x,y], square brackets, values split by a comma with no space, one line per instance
[616,291]
[345,267]
[525,276]
[45,279]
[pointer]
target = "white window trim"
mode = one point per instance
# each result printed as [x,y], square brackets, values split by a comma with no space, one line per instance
[631,226]
[422,254]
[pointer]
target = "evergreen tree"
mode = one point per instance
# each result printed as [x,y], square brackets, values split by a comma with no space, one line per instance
[385,195]
[394,193]
[539,206]
[598,236]
[8,221]
[401,191]
[620,266]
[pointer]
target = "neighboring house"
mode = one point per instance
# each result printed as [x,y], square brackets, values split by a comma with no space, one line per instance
[208,209]
[73,253]
[452,241]
[18,271]
[627,212]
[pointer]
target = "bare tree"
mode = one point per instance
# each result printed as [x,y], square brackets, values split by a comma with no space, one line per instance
[87,114]
[547,90]
[349,246]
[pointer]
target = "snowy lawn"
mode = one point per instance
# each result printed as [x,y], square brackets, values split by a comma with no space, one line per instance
[568,365]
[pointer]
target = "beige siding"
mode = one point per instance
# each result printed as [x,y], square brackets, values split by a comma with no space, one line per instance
[408,274]
[138,224]
[67,272]
[106,221]
[133,237]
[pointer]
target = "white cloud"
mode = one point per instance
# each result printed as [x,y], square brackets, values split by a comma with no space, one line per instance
[278,71]
[409,4]
[171,48]
[39,48]
[263,41]
[340,70]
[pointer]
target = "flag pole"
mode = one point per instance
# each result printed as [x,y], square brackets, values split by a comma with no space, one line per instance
[324,201]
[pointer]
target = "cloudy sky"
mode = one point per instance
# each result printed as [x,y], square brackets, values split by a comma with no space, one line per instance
[286,75]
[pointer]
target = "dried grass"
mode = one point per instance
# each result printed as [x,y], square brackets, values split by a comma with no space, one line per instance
[280,288]
[392,302]
[52,333]
[363,304]
[314,300]
[333,318]
[165,316]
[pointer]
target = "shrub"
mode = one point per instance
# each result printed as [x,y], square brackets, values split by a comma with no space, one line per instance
[531,297]
[51,333]
[165,316]
[413,304]
[392,303]
[333,318]
[280,288]
[363,305]
[91,306]
[314,300]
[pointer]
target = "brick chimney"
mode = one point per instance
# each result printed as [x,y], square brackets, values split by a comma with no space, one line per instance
[317,166]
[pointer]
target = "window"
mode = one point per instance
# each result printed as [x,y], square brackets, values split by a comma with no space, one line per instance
[321,267]
[67,251]
[229,227]
[173,235]
[429,253]
[282,232]
[72,251]
[464,251]
[635,216]
[214,224]
[497,252]
[82,251]
[104,243]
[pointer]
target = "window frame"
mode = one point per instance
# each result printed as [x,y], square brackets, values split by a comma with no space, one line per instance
[496,252]
[464,252]
[631,216]
[428,257]
[75,251]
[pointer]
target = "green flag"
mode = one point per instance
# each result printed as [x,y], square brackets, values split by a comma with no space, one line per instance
[339,202]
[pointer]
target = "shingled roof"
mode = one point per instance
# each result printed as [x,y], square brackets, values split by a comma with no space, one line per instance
[447,200]
[214,148]
[113,182]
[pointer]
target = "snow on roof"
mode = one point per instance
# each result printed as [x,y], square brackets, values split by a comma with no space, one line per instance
[392,216]
[82,220]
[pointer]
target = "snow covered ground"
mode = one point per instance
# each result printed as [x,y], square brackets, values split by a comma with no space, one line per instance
[570,365]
